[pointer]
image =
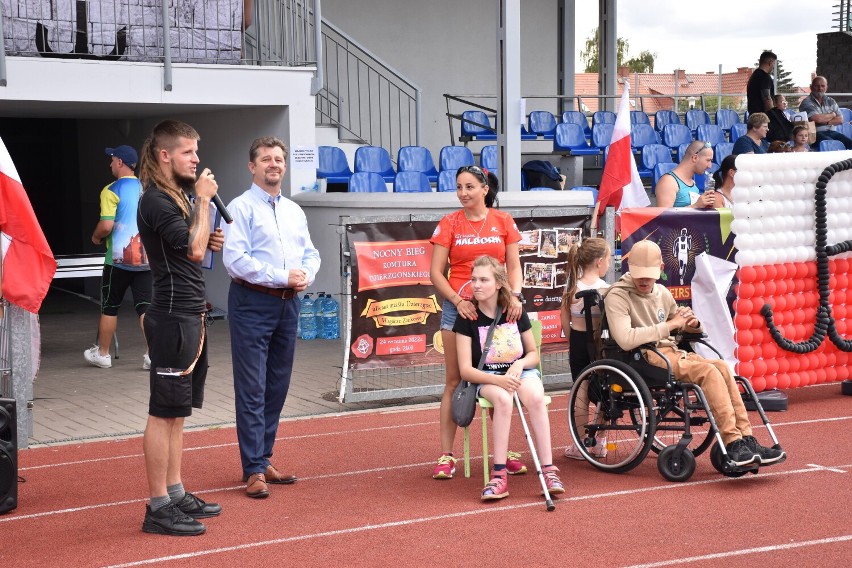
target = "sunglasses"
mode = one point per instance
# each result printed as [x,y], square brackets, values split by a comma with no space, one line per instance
[481,173]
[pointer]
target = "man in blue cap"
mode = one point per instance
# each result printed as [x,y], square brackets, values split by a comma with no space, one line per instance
[126,264]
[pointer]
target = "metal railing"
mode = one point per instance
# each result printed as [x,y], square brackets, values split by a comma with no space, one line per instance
[367,99]
[842,20]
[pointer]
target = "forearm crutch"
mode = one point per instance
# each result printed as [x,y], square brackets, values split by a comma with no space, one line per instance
[547,498]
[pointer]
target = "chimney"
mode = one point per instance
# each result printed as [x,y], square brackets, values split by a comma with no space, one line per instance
[681,74]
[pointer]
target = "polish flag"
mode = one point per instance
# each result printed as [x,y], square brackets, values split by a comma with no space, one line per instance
[28,264]
[621,186]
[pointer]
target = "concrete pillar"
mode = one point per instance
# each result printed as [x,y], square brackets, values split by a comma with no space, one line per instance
[510,114]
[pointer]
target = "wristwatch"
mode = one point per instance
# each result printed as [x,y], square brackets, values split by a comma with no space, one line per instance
[520,297]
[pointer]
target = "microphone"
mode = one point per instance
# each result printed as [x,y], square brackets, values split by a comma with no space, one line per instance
[223,211]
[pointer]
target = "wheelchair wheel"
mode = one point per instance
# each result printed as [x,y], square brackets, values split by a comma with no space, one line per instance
[676,469]
[671,412]
[611,416]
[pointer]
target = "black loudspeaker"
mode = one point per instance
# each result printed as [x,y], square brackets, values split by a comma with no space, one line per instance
[8,455]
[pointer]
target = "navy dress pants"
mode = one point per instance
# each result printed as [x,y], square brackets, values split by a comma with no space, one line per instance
[263,342]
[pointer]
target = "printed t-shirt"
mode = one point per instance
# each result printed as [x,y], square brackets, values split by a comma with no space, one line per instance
[506,344]
[468,241]
[119,201]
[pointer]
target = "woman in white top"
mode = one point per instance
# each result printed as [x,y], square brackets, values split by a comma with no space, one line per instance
[724,178]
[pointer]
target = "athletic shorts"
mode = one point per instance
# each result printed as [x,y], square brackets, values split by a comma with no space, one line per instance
[448,315]
[177,345]
[115,283]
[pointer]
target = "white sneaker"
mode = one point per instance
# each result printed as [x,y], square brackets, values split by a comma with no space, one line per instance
[146,362]
[94,357]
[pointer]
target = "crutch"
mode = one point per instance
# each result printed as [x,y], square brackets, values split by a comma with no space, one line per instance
[547,498]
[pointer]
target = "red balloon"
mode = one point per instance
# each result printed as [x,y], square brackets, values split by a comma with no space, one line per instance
[745,290]
[745,353]
[760,290]
[757,321]
[829,375]
[841,265]
[798,287]
[783,381]
[795,363]
[742,321]
[769,287]
[745,337]
[781,302]
[771,365]
[771,272]
[798,379]
[760,272]
[781,286]
[757,336]
[759,384]
[746,369]
[759,367]
[743,306]
[747,274]
[770,351]
[771,381]
[783,365]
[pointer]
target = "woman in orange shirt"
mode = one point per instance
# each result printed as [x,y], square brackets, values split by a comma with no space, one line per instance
[461,237]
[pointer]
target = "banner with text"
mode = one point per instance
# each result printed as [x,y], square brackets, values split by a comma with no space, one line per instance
[396,312]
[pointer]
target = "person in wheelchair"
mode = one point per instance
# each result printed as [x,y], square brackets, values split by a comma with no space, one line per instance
[639,311]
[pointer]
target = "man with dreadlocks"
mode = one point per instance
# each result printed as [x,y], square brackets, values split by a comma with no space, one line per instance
[176,233]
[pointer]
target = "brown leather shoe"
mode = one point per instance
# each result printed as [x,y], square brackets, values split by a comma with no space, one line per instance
[275,476]
[256,486]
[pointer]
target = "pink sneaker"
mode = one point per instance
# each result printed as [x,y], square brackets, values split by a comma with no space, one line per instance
[554,485]
[445,468]
[513,465]
[497,488]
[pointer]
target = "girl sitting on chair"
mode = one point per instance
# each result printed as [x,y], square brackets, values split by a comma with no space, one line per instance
[511,365]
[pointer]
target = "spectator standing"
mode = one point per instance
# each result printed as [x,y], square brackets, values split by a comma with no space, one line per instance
[754,140]
[824,112]
[270,257]
[125,263]
[176,234]
[761,88]
[677,188]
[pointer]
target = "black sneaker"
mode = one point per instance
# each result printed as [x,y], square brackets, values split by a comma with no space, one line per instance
[740,453]
[171,521]
[198,508]
[767,455]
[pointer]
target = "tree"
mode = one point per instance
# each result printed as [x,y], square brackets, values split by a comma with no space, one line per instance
[591,58]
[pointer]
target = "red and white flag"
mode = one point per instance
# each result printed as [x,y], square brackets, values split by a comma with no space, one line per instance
[28,263]
[621,186]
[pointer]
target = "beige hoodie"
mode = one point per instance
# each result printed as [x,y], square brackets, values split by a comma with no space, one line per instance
[634,318]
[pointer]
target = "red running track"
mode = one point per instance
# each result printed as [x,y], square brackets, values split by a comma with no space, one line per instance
[365,498]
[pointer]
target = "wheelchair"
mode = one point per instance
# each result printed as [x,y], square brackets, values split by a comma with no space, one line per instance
[621,408]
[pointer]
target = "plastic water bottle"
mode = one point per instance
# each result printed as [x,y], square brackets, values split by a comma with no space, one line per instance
[330,318]
[709,182]
[319,304]
[307,323]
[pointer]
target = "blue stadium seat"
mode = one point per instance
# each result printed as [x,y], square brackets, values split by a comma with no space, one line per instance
[488,159]
[543,123]
[641,135]
[589,188]
[411,182]
[722,151]
[526,134]
[374,159]
[725,118]
[603,117]
[660,170]
[831,145]
[676,134]
[454,157]
[602,135]
[639,117]
[695,116]
[681,150]
[333,166]
[447,180]
[471,131]
[654,154]
[570,138]
[417,159]
[664,117]
[577,117]
[738,129]
[846,113]
[845,129]
[710,133]
[366,182]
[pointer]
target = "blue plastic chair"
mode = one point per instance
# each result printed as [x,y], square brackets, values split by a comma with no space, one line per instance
[416,159]
[603,117]
[411,182]
[577,117]
[681,150]
[488,159]
[664,117]
[374,159]
[661,169]
[725,118]
[831,146]
[641,135]
[845,129]
[570,138]
[333,166]
[367,182]
[453,157]
[722,151]
[527,135]
[446,180]
[471,131]
[738,129]
[653,154]
[589,188]
[710,133]
[543,123]
[846,113]
[695,116]
[639,117]
[602,135]
[676,134]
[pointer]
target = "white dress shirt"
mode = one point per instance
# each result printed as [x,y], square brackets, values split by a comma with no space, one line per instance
[266,241]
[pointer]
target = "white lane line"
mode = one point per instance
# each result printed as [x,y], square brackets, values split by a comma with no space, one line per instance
[741,552]
[825,468]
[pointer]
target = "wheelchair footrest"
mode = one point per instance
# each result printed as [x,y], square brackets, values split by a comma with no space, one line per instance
[771,400]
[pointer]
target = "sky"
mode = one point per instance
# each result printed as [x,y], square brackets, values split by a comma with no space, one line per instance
[732,33]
